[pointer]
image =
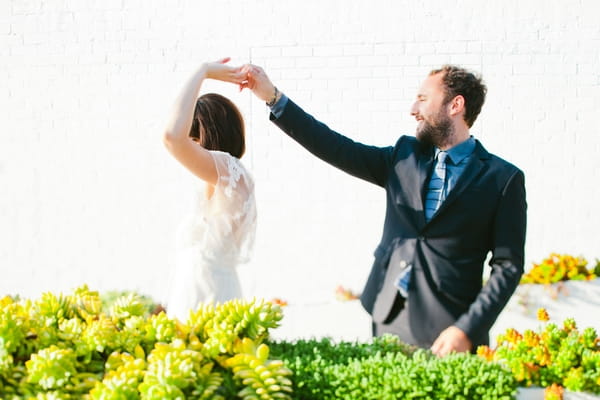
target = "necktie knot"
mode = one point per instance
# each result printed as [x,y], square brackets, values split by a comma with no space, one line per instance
[442,157]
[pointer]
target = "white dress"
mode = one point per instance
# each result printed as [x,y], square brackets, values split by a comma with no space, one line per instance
[214,237]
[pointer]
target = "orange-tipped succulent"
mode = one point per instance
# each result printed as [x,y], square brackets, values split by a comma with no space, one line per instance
[554,392]
[542,314]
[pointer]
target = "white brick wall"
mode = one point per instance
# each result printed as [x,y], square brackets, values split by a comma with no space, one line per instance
[88,194]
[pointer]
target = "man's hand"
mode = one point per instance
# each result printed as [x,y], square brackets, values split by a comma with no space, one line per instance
[258,81]
[451,339]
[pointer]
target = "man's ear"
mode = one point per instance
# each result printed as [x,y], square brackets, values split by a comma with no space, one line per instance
[456,105]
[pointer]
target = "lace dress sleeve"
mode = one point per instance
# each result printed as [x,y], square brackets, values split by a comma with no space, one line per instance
[233,200]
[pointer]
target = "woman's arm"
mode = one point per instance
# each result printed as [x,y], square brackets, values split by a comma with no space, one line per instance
[176,136]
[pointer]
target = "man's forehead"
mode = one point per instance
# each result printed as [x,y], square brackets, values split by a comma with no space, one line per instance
[431,84]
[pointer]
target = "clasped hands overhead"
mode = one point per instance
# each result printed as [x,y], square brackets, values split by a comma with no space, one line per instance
[247,76]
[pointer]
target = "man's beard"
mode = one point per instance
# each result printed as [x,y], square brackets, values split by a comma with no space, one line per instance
[437,133]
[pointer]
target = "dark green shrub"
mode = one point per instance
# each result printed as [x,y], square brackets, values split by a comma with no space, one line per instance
[386,369]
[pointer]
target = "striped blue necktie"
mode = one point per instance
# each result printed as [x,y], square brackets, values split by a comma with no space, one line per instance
[436,191]
[436,194]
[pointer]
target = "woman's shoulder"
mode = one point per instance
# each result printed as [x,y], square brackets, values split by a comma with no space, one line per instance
[227,159]
[231,169]
[223,155]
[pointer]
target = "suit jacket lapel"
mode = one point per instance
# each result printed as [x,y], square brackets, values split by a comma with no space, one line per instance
[472,170]
[413,183]
[424,166]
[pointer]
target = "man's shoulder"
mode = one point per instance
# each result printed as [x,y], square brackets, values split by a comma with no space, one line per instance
[405,140]
[408,143]
[406,147]
[504,163]
[495,161]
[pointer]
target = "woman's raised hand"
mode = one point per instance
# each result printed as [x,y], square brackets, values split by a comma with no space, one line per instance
[221,72]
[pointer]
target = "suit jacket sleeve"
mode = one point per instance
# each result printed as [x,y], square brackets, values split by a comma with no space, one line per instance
[507,259]
[370,163]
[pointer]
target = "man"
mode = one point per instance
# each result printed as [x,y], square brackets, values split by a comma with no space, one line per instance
[449,203]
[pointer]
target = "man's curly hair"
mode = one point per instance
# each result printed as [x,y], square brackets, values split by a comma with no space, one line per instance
[460,82]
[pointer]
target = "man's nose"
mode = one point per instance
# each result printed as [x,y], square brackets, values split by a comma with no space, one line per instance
[413,109]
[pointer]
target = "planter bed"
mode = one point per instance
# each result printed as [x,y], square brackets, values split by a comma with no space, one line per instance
[538,394]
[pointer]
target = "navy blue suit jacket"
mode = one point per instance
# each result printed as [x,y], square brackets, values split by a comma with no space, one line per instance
[485,212]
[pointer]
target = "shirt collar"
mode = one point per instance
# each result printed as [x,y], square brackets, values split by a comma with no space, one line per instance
[459,152]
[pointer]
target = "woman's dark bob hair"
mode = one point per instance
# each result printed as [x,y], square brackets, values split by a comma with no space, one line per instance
[218,125]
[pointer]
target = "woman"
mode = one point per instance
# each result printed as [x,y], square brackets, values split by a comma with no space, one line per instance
[206,135]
